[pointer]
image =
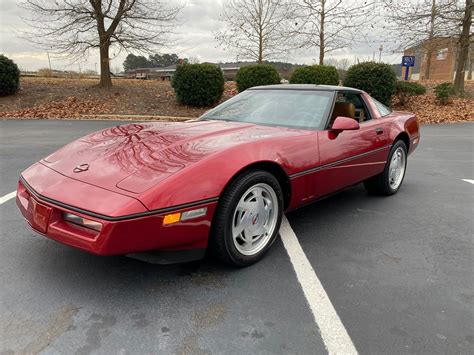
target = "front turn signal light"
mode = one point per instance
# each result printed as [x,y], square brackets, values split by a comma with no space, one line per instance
[171,218]
[185,216]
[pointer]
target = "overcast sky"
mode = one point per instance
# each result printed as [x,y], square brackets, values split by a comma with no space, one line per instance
[199,19]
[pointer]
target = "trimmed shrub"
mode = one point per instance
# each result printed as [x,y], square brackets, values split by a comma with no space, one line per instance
[9,76]
[377,79]
[315,74]
[405,89]
[198,84]
[443,93]
[256,75]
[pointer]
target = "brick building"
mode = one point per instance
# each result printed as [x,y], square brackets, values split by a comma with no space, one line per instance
[443,60]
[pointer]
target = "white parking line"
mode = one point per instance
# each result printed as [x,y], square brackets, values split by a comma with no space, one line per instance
[333,332]
[7,197]
[468,180]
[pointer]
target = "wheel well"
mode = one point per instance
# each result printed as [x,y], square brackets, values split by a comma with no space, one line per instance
[274,169]
[403,136]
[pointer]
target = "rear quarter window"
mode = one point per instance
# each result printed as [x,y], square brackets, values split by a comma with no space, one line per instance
[383,110]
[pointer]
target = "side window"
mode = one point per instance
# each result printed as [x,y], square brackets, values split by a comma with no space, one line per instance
[351,105]
[383,110]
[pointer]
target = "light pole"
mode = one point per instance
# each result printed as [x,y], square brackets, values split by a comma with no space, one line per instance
[49,61]
[380,52]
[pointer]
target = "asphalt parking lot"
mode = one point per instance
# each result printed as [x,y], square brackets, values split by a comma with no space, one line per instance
[399,271]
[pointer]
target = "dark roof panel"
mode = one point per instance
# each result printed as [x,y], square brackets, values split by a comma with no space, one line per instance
[305,87]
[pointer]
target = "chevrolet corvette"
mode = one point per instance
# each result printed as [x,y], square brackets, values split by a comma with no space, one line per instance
[221,182]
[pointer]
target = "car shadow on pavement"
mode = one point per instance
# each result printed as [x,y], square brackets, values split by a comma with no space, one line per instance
[62,267]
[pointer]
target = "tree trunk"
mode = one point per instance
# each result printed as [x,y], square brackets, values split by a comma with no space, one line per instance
[105,79]
[469,74]
[322,45]
[429,53]
[260,45]
[463,49]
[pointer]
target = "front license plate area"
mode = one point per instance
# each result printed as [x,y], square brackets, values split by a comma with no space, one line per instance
[38,215]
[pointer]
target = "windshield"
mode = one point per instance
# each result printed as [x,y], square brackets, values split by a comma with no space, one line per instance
[289,108]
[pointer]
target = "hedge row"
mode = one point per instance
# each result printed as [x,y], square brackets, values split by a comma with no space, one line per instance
[203,84]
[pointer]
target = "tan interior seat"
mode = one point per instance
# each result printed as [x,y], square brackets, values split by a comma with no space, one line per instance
[346,109]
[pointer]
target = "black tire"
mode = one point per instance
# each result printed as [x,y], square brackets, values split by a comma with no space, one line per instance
[380,184]
[221,243]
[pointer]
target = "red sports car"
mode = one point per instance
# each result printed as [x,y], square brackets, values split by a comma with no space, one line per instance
[220,182]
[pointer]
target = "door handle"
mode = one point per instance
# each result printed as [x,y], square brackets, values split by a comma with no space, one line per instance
[379,130]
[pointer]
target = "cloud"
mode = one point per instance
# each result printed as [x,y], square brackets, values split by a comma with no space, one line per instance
[199,20]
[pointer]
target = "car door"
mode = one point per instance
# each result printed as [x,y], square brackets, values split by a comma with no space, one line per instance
[350,157]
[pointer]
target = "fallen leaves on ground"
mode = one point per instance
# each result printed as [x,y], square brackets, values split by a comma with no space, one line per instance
[82,98]
[230,88]
[428,111]
[71,107]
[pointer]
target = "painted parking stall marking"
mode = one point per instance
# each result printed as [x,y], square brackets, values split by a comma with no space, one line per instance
[333,332]
[7,197]
[468,180]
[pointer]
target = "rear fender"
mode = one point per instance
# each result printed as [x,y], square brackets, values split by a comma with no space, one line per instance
[405,123]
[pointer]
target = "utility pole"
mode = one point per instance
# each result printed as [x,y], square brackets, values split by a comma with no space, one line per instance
[49,61]
[380,52]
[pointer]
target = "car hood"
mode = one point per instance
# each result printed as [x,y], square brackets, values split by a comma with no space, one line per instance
[134,157]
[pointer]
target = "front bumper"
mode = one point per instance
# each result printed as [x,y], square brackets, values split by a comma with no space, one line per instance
[117,236]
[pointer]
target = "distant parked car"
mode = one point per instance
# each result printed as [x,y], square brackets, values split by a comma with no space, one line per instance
[220,182]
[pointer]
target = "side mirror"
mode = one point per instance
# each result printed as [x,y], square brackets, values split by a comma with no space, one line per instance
[342,123]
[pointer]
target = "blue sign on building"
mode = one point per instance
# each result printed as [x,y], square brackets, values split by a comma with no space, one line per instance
[408,61]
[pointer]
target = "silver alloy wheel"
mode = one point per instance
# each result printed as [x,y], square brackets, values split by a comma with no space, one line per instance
[397,168]
[255,219]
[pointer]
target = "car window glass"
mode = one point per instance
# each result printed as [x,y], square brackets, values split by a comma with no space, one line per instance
[289,108]
[383,110]
[350,105]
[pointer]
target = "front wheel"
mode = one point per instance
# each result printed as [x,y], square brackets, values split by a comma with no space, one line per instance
[389,181]
[247,219]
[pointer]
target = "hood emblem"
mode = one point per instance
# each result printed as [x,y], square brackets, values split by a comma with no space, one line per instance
[81,168]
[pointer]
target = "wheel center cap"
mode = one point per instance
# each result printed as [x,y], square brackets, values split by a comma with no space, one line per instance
[254,219]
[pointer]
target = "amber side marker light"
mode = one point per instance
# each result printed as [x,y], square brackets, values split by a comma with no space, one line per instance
[184,216]
[84,222]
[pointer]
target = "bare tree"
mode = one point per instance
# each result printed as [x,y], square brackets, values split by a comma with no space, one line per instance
[340,64]
[332,24]
[194,60]
[463,50]
[420,23]
[256,29]
[74,27]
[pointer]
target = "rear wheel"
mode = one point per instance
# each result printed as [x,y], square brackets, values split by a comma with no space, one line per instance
[389,181]
[247,219]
